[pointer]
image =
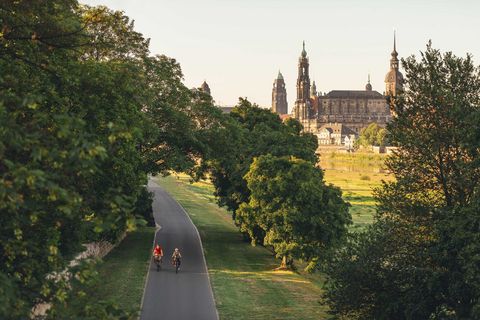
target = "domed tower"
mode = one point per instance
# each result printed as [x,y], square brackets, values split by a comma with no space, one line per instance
[394,78]
[205,88]
[279,95]
[303,103]
[368,86]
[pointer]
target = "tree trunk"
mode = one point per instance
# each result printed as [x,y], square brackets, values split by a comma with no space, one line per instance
[286,264]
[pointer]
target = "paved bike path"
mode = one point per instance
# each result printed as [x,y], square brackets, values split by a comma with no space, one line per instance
[188,294]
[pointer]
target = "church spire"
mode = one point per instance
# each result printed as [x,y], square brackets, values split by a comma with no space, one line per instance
[303,103]
[394,60]
[394,78]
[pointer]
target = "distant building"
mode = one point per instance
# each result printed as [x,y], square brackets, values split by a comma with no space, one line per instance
[226,109]
[349,141]
[324,136]
[279,96]
[349,110]
[205,88]
[335,133]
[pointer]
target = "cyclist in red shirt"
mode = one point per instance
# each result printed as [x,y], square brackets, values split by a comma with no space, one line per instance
[158,253]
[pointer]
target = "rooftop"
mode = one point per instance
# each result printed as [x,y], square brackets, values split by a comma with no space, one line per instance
[354,94]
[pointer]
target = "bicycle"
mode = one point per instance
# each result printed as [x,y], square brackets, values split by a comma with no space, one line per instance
[158,261]
[176,263]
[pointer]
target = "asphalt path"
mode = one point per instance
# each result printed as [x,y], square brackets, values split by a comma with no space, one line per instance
[188,294]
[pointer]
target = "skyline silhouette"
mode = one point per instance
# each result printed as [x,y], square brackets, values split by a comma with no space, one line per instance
[238,47]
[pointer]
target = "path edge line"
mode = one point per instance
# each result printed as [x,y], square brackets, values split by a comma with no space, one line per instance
[203,254]
[157,229]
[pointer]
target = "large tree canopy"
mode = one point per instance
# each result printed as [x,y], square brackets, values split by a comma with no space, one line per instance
[251,132]
[300,216]
[420,259]
[85,114]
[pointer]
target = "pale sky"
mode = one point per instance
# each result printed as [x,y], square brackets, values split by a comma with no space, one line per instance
[238,46]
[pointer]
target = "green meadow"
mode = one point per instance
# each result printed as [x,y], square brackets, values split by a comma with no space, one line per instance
[357,174]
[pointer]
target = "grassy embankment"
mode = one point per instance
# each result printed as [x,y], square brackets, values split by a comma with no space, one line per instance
[124,269]
[244,282]
[356,174]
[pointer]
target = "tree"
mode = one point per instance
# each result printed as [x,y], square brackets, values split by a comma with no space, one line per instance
[300,215]
[372,135]
[251,132]
[45,151]
[419,260]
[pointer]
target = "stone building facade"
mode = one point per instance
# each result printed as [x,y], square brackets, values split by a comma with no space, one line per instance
[350,110]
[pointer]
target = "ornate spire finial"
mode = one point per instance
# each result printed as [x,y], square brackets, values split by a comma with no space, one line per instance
[304,53]
[394,52]
[368,86]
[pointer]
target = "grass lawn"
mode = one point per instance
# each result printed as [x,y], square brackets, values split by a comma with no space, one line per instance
[124,269]
[357,175]
[244,282]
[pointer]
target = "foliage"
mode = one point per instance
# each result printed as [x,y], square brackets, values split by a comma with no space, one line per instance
[251,132]
[420,259]
[373,135]
[300,216]
[143,207]
[85,114]
[74,302]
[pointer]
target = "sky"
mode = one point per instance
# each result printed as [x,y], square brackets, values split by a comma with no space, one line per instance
[238,46]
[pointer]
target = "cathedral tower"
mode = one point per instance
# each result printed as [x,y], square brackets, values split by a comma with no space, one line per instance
[279,95]
[303,103]
[394,78]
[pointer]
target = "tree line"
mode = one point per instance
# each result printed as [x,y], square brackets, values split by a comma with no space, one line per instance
[86,113]
[420,259]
